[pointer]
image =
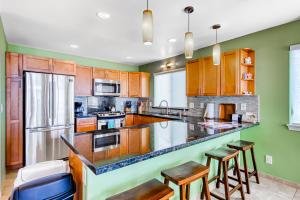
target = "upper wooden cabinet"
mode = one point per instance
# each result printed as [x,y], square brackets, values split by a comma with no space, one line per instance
[139,84]
[64,67]
[14,68]
[108,74]
[194,78]
[124,84]
[134,80]
[211,77]
[37,64]
[230,73]
[14,123]
[83,81]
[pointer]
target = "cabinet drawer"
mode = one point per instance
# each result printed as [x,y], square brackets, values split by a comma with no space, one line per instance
[84,121]
[86,127]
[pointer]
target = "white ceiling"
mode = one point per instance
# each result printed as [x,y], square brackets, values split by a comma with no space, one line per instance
[55,24]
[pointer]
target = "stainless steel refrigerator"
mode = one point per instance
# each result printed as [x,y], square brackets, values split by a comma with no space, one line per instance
[49,112]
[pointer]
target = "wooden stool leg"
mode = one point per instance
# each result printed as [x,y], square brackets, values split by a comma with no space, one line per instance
[166,181]
[236,164]
[219,174]
[182,192]
[188,189]
[254,165]
[246,172]
[234,171]
[226,185]
[206,188]
[207,164]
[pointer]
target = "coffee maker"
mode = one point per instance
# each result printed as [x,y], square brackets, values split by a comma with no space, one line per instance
[78,108]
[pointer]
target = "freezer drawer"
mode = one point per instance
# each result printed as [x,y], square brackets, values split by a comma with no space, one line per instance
[45,144]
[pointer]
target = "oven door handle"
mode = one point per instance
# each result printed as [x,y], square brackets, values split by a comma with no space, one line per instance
[107,135]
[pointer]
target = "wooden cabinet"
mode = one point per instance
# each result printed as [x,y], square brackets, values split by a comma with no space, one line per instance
[124,84]
[145,140]
[106,74]
[14,123]
[86,124]
[134,84]
[139,84]
[37,64]
[211,77]
[133,119]
[194,78]
[123,142]
[134,137]
[129,120]
[83,81]
[14,68]
[230,74]
[64,67]
[84,145]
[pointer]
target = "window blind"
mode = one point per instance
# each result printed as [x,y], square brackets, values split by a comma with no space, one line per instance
[170,87]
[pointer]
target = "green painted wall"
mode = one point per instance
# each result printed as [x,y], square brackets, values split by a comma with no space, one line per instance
[78,59]
[272,85]
[3,45]
[99,187]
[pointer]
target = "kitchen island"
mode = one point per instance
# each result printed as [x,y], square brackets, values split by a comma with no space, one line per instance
[132,155]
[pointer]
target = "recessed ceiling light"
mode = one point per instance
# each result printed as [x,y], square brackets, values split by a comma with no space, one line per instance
[128,57]
[103,15]
[172,40]
[74,46]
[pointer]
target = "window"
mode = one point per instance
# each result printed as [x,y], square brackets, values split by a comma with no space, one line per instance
[170,86]
[294,88]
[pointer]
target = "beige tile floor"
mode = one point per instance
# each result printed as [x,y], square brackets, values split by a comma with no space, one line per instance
[266,190]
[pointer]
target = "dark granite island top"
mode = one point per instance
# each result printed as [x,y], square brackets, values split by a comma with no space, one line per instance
[139,143]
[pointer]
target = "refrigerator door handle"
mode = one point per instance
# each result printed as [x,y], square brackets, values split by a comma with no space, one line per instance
[54,113]
[49,102]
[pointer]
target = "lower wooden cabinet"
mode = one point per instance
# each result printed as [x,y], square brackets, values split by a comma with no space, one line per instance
[85,124]
[133,120]
[14,123]
[84,81]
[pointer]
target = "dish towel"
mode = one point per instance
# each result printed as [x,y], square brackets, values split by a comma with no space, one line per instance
[111,123]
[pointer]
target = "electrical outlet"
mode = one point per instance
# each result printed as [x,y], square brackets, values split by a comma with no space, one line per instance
[192,105]
[202,105]
[269,159]
[192,127]
[243,106]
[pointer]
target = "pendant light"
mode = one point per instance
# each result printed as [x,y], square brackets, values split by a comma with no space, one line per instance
[189,41]
[147,26]
[216,47]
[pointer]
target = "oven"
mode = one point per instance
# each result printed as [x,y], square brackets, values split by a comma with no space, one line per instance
[105,141]
[104,87]
[110,121]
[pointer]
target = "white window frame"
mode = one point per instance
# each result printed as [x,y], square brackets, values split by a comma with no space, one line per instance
[292,126]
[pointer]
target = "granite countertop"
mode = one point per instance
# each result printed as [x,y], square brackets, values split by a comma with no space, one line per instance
[85,116]
[142,142]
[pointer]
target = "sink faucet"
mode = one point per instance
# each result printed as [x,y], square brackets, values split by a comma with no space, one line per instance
[167,105]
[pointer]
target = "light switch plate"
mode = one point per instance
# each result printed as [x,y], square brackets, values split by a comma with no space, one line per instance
[243,106]
[201,105]
[192,105]
[269,159]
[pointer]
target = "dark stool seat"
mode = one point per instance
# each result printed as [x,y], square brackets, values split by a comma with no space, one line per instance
[243,146]
[151,190]
[223,155]
[183,175]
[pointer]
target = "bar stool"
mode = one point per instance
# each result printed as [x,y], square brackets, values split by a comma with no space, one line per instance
[224,155]
[183,175]
[151,190]
[243,146]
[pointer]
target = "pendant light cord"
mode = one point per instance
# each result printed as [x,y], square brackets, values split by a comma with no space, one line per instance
[147,4]
[189,22]
[216,36]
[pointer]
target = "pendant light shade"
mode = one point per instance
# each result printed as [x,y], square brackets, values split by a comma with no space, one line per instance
[147,26]
[216,47]
[189,40]
[188,45]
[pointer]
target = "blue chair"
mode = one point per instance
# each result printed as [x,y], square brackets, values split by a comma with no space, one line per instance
[59,187]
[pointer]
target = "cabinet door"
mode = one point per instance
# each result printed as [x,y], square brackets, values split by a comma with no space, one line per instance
[145,84]
[211,78]
[129,120]
[134,84]
[14,123]
[134,137]
[193,78]
[98,73]
[64,67]
[14,66]
[83,81]
[145,146]
[86,124]
[123,142]
[112,75]
[37,64]
[124,84]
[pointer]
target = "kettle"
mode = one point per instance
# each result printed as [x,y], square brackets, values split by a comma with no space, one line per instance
[209,111]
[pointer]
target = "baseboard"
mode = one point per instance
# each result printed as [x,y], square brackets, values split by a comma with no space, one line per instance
[279,180]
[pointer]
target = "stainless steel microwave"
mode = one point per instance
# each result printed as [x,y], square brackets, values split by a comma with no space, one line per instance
[104,87]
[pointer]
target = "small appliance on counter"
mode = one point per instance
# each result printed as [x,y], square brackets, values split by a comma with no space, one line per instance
[79,109]
[128,106]
[209,111]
